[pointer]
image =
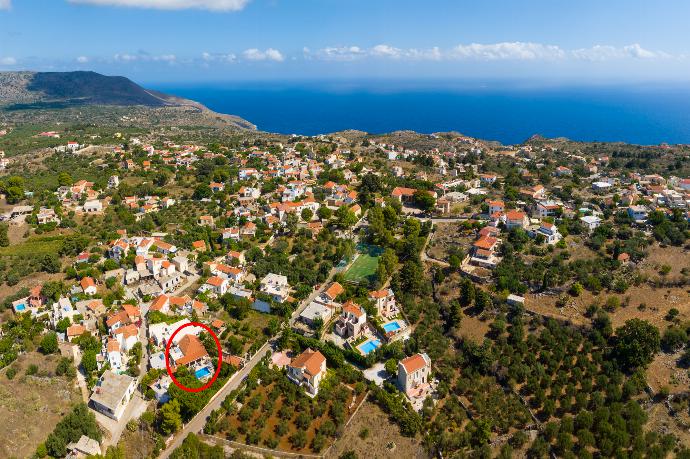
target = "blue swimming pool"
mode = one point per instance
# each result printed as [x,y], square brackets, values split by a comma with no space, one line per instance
[369,346]
[392,326]
[202,373]
[20,307]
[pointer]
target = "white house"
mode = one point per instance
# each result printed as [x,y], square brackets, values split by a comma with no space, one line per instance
[550,233]
[638,213]
[112,394]
[93,206]
[591,222]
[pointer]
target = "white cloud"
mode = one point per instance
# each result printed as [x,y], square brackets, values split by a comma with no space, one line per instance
[5,4]
[386,51]
[209,57]
[82,59]
[336,53]
[516,51]
[350,53]
[143,56]
[212,5]
[507,51]
[606,52]
[8,61]
[254,54]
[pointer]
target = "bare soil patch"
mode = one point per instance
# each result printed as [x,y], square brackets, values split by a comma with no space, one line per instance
[381,433]
[34,404]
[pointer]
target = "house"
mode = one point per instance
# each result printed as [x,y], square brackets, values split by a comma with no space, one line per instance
[199,246]
[181,263]
[217,285]
[406,195]
[188,351]
[74,331]
[638,213]
[217,187]
[112,394]
[88,286]
[413,371]
[113,181]
[205,220]
[62,309]
[236,257]
[546,209]
[550,233]
[332,292]
[591,222]
[93,206]
[276,286]
[46,216]
[487,179]
[351,321]
[127,336]
[562,171]
[83,448]
[308,370]
[516,219]
[384,300]
[316,311]
[496,207]
[113,355]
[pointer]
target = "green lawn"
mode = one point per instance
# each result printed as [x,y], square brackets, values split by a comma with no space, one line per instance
[363,269]
[35,246]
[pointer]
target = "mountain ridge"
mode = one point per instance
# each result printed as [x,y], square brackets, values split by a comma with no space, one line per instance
[26,90]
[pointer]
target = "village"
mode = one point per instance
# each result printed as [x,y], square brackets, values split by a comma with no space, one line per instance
[131,311]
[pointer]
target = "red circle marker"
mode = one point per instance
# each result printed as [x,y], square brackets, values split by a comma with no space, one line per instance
[167,358]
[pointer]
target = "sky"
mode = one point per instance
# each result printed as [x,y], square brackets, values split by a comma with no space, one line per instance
[546,41]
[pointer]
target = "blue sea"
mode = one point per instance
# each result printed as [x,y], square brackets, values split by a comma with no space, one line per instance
[642,114]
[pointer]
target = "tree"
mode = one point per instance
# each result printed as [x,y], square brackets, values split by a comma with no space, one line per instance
[65,368]
[307,214]
[424,200]
[391,367]
[202,191]
[88,361]
[51,263]
[14,194]
[64,179]
[636,343]
[171,420]
[346,218]
[49,343]
[4,238]
[324,213]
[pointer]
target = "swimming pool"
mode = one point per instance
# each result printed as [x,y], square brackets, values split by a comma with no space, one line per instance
[202,373]
[369,346]
[20,307]
[392,326]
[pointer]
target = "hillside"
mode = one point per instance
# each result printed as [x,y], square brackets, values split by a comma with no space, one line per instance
[22,91]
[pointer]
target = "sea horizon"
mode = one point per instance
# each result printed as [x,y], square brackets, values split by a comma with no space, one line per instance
[509,112]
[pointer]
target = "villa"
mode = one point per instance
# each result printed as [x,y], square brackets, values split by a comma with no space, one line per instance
[307,370]
[384,300]
[351,321]
[413,372]
[549,231]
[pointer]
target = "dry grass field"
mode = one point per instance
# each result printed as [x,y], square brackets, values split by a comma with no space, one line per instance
[33,405]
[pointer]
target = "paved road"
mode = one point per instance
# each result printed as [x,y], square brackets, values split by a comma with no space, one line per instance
[199,421]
